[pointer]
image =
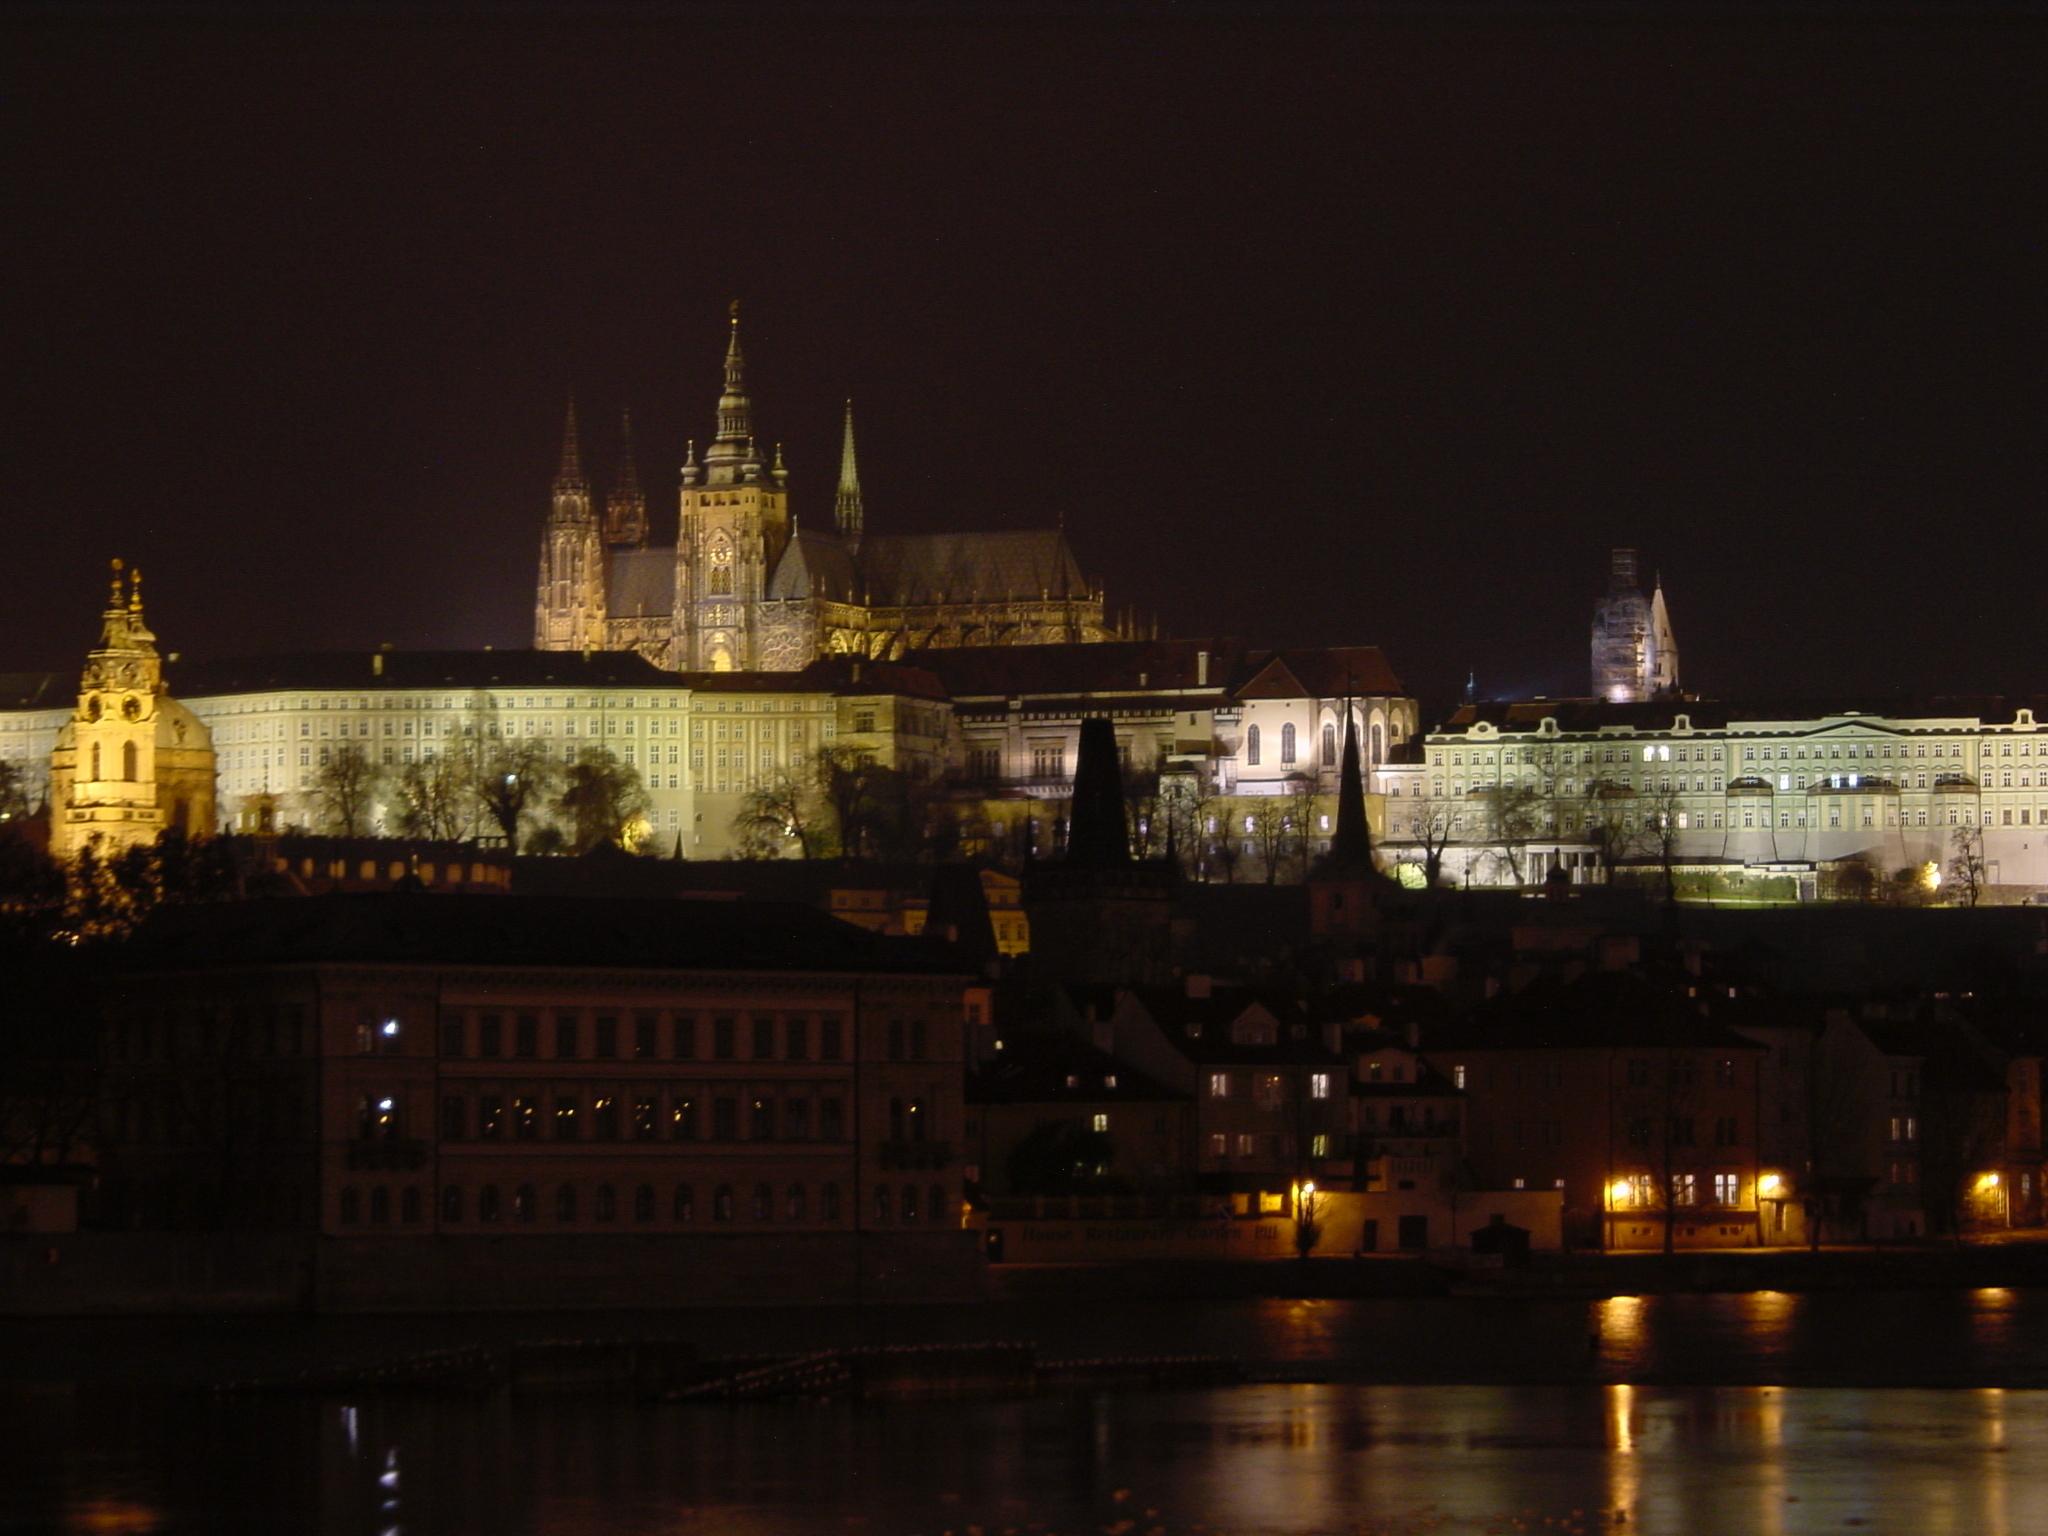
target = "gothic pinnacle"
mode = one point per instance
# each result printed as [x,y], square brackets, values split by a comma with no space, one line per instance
[571,474]
[733,445]
[846,507]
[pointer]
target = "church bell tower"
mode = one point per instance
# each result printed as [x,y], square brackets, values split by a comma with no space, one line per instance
[132,762]
[734,528]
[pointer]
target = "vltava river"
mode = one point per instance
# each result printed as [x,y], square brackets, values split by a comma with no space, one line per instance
[1910,1413]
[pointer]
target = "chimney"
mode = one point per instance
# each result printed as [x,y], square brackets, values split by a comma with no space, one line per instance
[377,665]
[1201,669]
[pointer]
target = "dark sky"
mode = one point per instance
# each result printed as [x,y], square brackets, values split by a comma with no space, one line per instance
[1317,326]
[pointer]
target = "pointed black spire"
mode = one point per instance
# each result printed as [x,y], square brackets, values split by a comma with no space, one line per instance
[1351,843]
[1098,836]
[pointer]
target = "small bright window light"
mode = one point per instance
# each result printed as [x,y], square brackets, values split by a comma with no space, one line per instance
[391,1026]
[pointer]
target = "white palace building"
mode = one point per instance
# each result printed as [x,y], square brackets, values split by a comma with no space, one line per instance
[1767,799]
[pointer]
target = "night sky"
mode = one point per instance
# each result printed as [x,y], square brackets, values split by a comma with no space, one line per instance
[1316,327]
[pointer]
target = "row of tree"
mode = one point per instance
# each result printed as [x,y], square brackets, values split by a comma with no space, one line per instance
[840,802]
[511,785]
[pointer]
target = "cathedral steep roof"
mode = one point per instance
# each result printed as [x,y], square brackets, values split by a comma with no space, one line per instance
[1330,672]
[640,583]
[815,565]
[909,570]
[1101,667]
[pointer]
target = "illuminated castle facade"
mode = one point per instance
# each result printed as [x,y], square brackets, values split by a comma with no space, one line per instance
[745,589]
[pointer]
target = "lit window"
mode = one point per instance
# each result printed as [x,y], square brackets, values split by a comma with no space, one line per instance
[1101,1122]
[1319,1085]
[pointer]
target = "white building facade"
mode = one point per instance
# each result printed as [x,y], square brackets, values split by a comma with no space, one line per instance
[1781,793]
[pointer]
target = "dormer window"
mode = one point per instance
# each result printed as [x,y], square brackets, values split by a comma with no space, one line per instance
[1109,1081]
[1073,1080]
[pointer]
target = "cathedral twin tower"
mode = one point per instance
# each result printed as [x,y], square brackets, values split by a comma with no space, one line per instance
[744,588]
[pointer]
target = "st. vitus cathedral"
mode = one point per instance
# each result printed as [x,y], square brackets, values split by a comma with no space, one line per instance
[745,588]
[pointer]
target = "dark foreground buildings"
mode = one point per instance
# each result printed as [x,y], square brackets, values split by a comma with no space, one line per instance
[462,1100]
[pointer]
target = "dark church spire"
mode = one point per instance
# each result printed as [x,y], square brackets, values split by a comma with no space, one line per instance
[1098,836]
[846,508]
[1351,843]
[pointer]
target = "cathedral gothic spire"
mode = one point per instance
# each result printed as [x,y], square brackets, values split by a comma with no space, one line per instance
[731,454]
[846,510]
[626,508]
[570,609]
[570,476]
[571,490]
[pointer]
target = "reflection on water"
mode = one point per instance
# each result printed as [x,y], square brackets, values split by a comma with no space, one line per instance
[1767,1413]
[1252,1461]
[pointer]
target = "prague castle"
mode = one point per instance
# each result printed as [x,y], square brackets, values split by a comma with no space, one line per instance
[746,588]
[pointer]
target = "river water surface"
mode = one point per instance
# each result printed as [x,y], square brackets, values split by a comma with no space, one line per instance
[1893,1412]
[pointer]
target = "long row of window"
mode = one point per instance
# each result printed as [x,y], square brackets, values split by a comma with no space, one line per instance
[685,1114]
[570,1203]
[1639,1191]
[650,1036]
[667,1035]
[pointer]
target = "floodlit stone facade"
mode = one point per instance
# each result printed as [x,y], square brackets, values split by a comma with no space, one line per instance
[1750,793]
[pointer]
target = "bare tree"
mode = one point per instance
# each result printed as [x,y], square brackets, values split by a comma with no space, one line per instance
[849,779]
[514,779]
[1304,805]
[1966,869]
[1430,825]
[1271,832]
[1610,825]
[1661,812]
[1142,810]
[1512,814]
[347,785]
[784,807]
[601,798]
[437,796]
[1185,809]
